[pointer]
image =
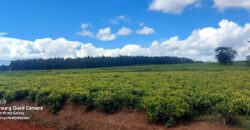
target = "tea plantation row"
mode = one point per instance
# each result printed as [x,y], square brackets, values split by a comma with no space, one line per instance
[166,96]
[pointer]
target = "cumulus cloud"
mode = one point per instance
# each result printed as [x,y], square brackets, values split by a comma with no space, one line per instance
[12,48]
[202,42]
[145,31]
[105,34]
[172,6]
[85,32]
[199,45]
[124,31]
[224,4]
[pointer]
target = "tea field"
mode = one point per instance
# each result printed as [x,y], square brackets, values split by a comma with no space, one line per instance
[166,93]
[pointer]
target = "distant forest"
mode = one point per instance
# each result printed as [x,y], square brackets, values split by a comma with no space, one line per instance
[91,62]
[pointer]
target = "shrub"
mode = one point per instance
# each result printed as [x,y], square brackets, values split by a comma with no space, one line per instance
[133,98]
[125,99]
[2,92]
[82,98]
[233,106]
[166,110]
[20,94]
[32,95]
[107,101]
[138,92]
[15,95]
[8,96]
[41,97]
[55,102]
[201,102]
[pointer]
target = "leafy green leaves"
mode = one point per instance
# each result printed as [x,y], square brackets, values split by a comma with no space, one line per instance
[165,109]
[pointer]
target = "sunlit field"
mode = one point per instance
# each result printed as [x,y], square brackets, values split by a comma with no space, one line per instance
[166,93]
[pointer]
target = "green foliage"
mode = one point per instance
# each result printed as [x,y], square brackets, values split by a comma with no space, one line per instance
[14,95]
[20,94]
[8,96]
[91,62]
[42,97]
[233,106]
[165,109]
[248,60]
[55,102]
[32,95]
[225,55]
[167,94]
[107,101]
[2,92]
[82,98]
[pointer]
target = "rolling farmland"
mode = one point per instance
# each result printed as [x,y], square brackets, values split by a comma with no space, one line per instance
[167,94]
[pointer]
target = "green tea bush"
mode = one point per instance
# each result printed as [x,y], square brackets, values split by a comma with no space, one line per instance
[8,96]
[167,94]
[20,94]
[167,110]
[15,95]
[32,95]
[55,101]
[82,98]
[233,106]
[201,102]
[125,99]
[107,101]
[133,98]
[79,97]
[138,92]
[2,92]
[42,97]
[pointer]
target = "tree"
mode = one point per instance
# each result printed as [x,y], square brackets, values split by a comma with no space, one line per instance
[248,60]
[92,62]
[225,55]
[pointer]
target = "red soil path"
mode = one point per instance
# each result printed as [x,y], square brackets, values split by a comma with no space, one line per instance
[20,125]
[73,118]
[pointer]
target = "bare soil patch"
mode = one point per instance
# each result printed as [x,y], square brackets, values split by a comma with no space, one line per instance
[73,118]
[20,125]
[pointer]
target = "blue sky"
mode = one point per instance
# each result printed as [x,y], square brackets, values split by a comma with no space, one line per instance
[38,19]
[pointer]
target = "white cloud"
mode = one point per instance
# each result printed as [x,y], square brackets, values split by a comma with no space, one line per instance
[12,48]
[224,4]
[124,31]
[202,42]
[85,32]
[172,6]
[85,25]
[145,31]
[3,34]
[199,45]
[120,18]
[105,34]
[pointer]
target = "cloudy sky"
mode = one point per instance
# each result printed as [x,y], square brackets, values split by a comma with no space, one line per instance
[79,28]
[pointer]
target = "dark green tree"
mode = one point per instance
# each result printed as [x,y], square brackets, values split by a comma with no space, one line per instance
[225,55]
[248,60]
[92,62]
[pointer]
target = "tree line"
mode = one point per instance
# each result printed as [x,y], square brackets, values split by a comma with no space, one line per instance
[91,62]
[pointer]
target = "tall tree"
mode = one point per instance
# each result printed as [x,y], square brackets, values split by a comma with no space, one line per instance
[248,60]
[92,62]
[225,55]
